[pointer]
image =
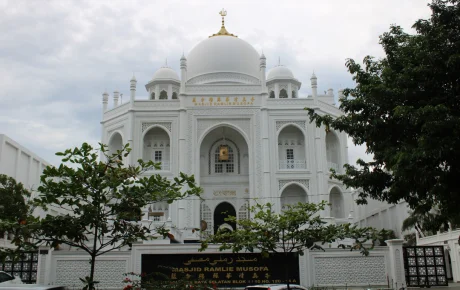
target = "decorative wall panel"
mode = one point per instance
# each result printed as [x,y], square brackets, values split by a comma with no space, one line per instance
[282,183]
[109,273]
[350,270]
[280,124]
[146,126]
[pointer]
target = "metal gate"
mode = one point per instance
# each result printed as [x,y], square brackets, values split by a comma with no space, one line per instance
[425,266]
[25,267]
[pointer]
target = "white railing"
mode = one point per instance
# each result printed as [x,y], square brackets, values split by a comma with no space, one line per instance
[164,165]
[291,164]
[332,165]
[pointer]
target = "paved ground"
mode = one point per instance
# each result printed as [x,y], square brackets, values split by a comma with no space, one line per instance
[452,286]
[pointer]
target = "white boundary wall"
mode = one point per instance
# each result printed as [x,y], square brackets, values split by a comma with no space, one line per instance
[334,267]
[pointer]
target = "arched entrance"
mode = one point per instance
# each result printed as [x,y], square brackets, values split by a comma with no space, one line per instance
[224,176]
[223,211]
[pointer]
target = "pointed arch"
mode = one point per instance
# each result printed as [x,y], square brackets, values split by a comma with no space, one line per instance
[283,94]
[291,147]
[221,212]
[115,142]
[152,96]
[333,151]
[174,96]
[293,193]
[163,95]
[157,146]
[272,95]
[336,202]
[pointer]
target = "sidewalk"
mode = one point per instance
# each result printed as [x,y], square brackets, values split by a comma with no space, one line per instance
[451,286]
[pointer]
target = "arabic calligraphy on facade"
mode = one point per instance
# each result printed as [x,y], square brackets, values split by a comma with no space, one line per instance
[224,193]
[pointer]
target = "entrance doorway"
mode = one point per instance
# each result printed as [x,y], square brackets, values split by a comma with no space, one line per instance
[222,211]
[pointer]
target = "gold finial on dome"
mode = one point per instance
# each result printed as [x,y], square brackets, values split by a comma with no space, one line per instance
[222,30]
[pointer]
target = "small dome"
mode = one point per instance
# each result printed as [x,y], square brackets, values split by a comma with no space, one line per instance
[165,73]
[280,72]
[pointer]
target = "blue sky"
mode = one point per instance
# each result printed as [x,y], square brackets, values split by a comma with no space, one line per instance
[57,57]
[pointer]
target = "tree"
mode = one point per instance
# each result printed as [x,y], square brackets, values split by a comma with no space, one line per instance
[297,228]
[406,109]
[15,210]
[100,201]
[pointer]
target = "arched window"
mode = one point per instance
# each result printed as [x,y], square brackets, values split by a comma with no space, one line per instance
[152,96]
[333,152]
[294,95]
[292,195]
[224,159]
[272,94]
[174,96]
[283,94]
[163,95]
[336,203]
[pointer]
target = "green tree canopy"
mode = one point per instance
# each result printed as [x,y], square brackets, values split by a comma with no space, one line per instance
[15,211]
[97,201]
[406,109]
[296,228]
[13,200]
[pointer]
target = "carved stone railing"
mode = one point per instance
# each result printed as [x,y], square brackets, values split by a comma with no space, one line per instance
[332,165]
[292,164]
[164,166]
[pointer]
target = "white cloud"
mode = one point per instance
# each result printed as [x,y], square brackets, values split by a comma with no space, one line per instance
[58,56]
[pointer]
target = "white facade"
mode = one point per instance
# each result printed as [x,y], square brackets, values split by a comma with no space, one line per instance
[224,99]
[23,165]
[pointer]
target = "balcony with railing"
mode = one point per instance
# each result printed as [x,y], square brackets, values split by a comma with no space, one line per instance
[163,166]
[292,164]
[332,165]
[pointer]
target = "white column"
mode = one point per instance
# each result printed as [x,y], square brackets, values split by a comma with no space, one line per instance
[455,259]
[321,180]
[277,91]
[289,90]
[266,155]
[396,275]
[157,92]
[169,91]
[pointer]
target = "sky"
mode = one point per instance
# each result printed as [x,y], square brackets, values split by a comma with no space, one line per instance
[58,57]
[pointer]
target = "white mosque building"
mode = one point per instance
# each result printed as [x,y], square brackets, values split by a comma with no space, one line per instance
[242,131]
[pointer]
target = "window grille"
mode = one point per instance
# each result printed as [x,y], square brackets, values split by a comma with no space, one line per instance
[219,164]
[158,156]
[290,154]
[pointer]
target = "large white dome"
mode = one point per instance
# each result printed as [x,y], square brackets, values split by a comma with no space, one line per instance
[223,54]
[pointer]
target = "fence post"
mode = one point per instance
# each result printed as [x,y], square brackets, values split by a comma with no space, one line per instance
[397,263]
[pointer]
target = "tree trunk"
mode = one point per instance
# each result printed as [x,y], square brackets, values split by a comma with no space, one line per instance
[287,272]
[91,275]
[93,261]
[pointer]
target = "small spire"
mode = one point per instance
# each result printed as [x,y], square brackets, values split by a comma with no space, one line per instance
[279,60]
[313,76]
[166,62]
[222,30]
[133,78]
